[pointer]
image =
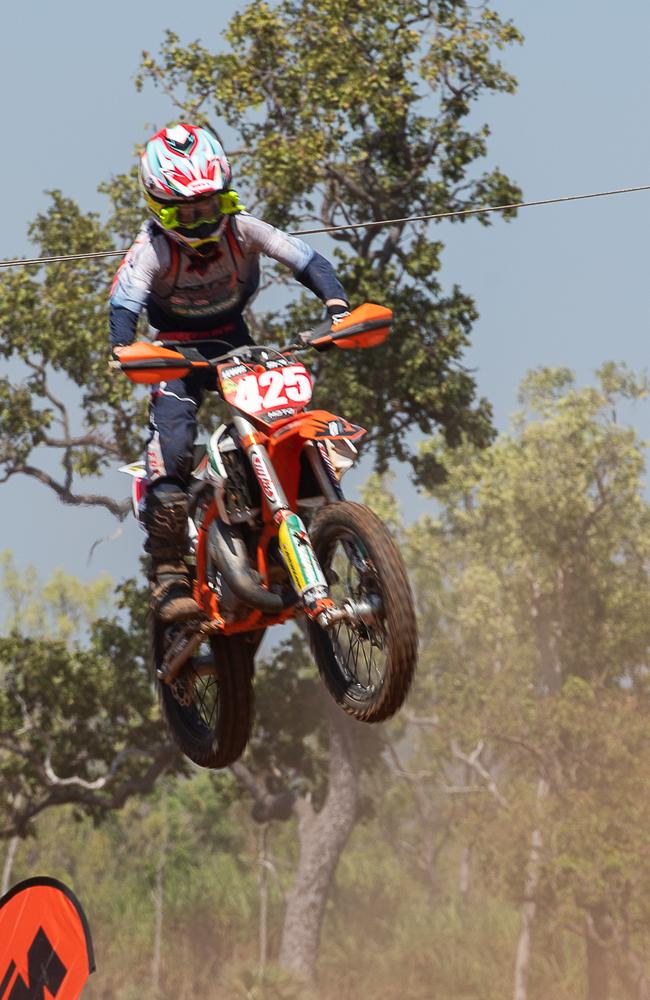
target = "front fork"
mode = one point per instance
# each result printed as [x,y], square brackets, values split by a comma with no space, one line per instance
[296,549]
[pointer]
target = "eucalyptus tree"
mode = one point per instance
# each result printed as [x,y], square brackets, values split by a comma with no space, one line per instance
[344,112]
[534,579]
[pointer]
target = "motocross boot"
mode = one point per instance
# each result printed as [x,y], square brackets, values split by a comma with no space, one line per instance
[165,519]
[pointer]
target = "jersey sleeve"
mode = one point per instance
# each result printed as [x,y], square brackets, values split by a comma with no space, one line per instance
[135,275]
[132,284]
[310,268]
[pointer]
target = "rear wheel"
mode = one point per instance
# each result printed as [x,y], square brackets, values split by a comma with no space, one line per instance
[367,663]
[209,706]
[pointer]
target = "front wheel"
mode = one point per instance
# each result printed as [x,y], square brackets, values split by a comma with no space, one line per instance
[367,664]
[209,706]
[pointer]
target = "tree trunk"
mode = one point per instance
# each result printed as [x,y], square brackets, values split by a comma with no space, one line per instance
[628,964]
[263,876]
[465,874]
[529,907]
[610,956]
[632,974]
[7,869]
[159,908]
[598,963]
[322,837]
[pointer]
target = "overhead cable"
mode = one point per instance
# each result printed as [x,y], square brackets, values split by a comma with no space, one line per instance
[457,213]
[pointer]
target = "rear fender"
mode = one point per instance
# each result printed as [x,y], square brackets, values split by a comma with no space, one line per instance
[139,485]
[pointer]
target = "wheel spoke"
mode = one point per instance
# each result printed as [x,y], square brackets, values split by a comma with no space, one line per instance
[365,656]
[202,699]
[349,652]
[354,646]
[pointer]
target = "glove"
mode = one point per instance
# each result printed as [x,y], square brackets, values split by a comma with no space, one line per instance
[337,312]
[114,358]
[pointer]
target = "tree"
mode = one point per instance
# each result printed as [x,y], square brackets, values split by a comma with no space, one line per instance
[535,577]
[62,607]
[77,721]
[308,768]
[62,400]
[350,112]
[380,132]
[346,112]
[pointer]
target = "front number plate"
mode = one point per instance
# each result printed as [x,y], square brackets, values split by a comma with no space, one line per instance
[286,389]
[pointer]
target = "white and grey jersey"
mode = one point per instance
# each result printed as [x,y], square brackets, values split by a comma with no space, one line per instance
[193,292]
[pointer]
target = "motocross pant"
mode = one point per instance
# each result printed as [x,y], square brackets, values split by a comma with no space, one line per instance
[169,456]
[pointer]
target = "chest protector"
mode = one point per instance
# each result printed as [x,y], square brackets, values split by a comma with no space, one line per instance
[210,287]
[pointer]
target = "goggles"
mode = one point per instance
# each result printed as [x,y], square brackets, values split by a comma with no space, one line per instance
[195,212]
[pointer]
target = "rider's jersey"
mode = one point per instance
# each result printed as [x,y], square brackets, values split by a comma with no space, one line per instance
[181,290]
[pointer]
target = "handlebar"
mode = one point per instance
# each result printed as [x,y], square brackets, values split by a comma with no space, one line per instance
[366,326]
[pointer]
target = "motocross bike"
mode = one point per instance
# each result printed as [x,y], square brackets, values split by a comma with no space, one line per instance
[272,538]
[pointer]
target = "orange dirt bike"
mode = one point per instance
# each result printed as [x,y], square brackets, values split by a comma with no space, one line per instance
[271,538]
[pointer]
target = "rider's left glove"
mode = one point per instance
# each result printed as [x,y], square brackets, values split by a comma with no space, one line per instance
[337,312]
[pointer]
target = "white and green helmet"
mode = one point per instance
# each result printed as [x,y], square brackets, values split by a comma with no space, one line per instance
[185,176]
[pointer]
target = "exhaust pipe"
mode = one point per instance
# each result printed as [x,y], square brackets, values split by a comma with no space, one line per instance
[227,549]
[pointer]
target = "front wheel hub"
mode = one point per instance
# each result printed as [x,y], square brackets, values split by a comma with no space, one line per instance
[368,611]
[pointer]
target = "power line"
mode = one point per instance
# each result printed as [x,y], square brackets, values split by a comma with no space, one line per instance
[475,211]
[458,213]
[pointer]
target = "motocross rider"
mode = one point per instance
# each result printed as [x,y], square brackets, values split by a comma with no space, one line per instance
[194,266]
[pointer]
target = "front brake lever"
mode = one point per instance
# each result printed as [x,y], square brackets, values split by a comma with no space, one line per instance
[307,337]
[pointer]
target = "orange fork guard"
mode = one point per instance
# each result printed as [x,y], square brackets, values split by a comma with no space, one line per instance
[284,443]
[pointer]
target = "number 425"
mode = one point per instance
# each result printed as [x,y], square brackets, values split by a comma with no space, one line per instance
[272,388]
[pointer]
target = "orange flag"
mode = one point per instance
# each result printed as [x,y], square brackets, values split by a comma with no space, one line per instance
[45,945]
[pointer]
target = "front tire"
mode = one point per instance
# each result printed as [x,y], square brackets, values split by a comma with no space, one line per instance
[367,668]
[209,708]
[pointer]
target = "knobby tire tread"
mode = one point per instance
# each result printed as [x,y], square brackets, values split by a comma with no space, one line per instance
[226,740]
[329,524]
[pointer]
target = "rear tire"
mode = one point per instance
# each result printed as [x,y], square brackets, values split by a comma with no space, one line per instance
[210,713]
[345,655]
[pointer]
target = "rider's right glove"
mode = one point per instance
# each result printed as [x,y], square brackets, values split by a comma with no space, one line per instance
[113,361]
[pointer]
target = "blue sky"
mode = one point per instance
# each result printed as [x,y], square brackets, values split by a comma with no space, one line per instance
[562,285]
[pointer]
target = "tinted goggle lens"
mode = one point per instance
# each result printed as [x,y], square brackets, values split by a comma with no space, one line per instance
[190,213]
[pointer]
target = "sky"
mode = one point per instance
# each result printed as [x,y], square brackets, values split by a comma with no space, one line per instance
[561,285]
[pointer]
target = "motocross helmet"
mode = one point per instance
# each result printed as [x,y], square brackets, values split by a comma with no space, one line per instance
[185,175]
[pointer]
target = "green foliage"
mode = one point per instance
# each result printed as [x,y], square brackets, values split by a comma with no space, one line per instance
[530,713]
[54,332]
[530,572]
[78,721]
[346,112]
[376,494]
[535,578]
[61,607]
[349,112]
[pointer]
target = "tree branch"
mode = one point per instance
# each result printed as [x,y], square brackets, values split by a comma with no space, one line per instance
[83,441]
[267,805]
[62,793]
[472,760]
[119,508]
